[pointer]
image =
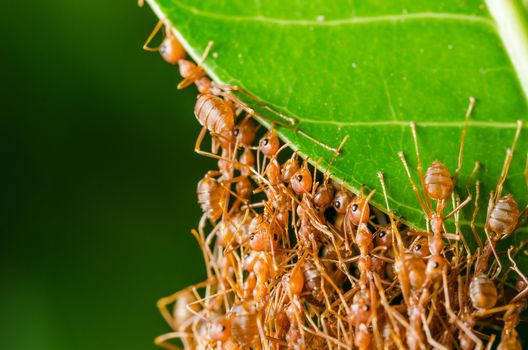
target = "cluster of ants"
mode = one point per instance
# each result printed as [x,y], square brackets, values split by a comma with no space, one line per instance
[295,260]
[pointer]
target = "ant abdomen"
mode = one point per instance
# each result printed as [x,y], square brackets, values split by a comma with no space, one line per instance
[438,182]
[483,292]
[210,195]
[504,216]
[217,115]
[244,326]
[312,291]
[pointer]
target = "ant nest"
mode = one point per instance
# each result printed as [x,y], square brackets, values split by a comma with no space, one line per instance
[296,261]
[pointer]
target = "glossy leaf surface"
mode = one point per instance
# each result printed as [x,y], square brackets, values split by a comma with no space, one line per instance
[366,69]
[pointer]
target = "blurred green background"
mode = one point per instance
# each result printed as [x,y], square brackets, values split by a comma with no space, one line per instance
[98,177]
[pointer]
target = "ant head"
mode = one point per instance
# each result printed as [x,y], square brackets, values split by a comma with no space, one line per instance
[186,67]
[359,210]
[171,50]
[269,144]
[220,329]
[324,195]
[244,188]
[265,237]
[245,132]
[435,266]
[301,181]
[341,201]
[289,168]
[384,236]
[361,310]
[420,247]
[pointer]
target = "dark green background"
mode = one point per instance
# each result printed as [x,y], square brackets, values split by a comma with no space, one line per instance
[97,175]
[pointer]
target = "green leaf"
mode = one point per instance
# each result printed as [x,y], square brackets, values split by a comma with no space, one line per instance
[366,69]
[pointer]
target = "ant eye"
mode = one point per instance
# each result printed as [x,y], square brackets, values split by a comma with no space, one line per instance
[275,237]
[299,178]
[236,132]
[337,204]
[354,207]
[417,247]
[367,308]
[265,142]
[382,234]
[222,328]
[252,236]
[436,264]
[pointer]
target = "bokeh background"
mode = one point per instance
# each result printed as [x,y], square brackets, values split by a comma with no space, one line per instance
[97,175]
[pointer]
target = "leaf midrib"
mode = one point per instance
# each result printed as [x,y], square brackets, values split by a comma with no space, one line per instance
[342,21]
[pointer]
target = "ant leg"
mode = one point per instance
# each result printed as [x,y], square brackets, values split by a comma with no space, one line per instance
[252,97]
[526,170]
[162,340]
[340,147]
[414,187]
[200,237]
[454,317]
[492,246]
[262,334]
[197,148]
[430,339]
[459,231]
[463,139]
[495,310]
[515,268]
[152,35]
[474,217]
[419,160]
[198,72]
[507,161]
[460,206]
[164,302]
[470,196]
